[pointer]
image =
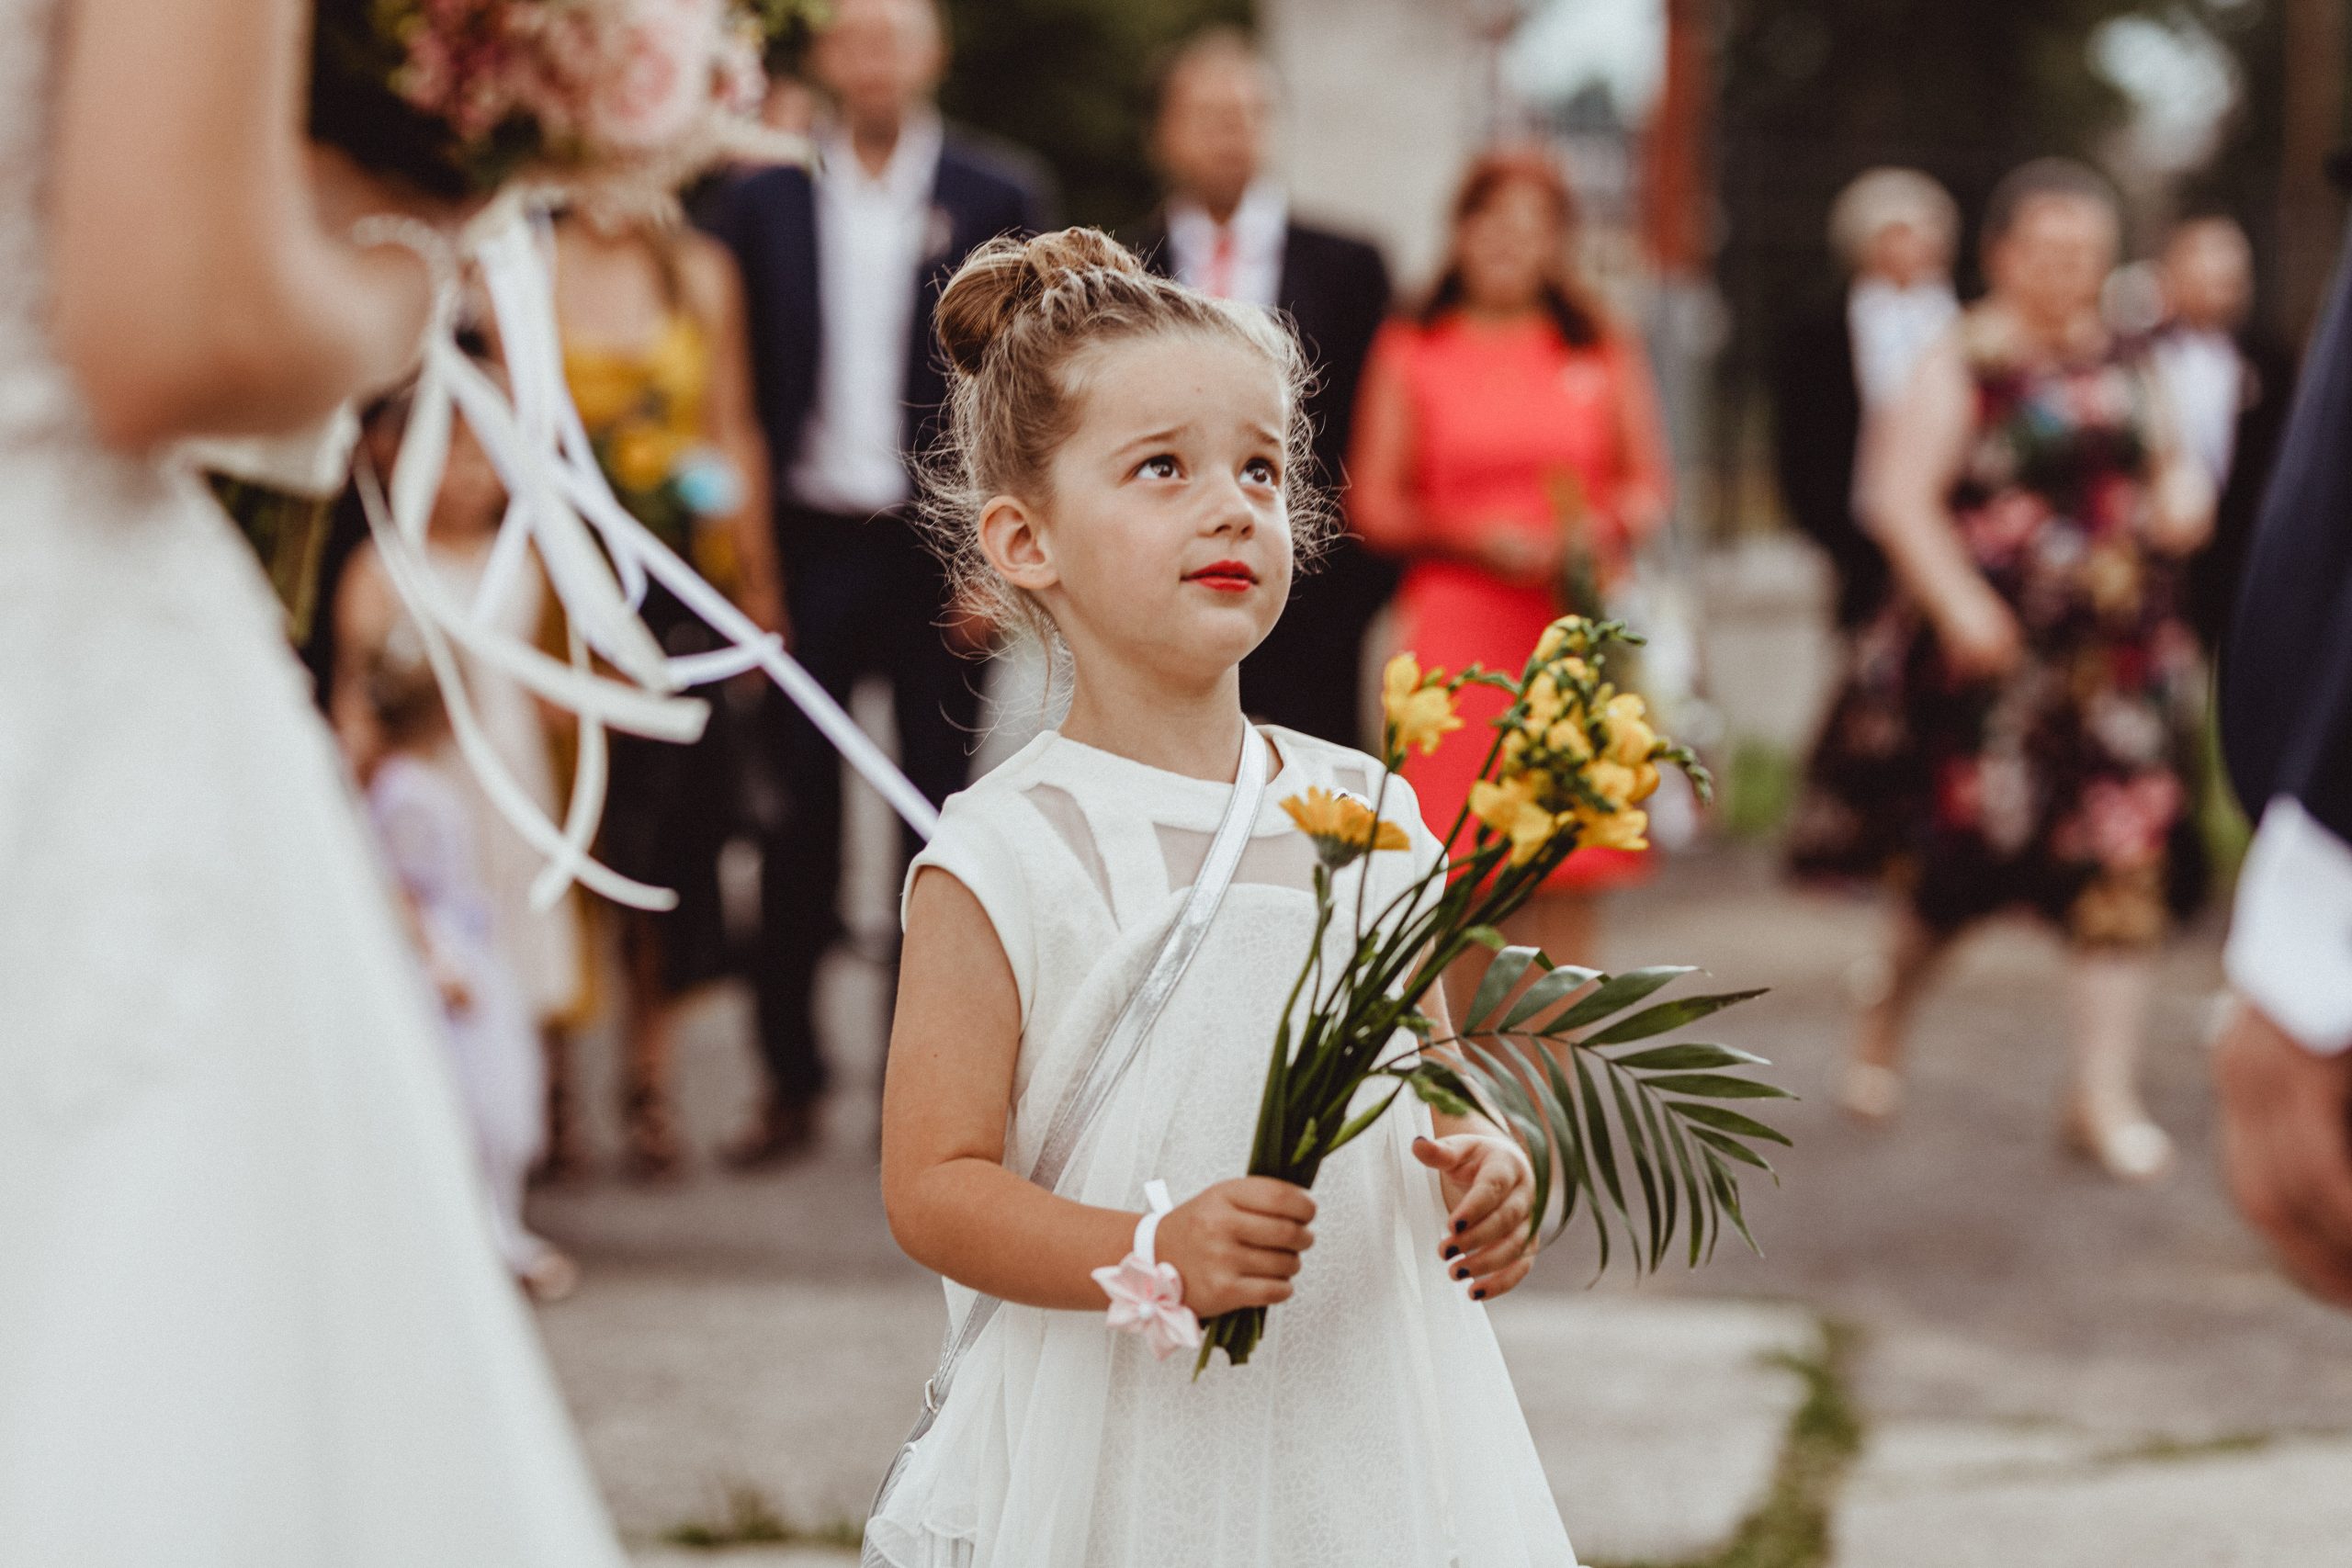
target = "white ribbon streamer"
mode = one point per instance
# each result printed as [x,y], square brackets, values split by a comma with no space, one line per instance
[600,561]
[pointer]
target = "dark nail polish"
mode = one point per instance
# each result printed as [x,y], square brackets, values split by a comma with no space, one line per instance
[1451,1250]
[1479,1294]
[1461,1225]
[1462,1273]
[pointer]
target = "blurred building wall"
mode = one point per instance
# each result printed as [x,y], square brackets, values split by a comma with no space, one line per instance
[1384,108]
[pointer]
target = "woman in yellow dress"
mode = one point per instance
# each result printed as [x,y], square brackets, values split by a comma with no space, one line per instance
[654,334]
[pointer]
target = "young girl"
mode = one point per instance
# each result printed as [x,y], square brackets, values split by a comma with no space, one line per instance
[1119,481]
[425,830]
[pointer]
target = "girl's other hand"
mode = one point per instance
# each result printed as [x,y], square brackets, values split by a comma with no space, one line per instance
[1238,1244]
[1490,1197]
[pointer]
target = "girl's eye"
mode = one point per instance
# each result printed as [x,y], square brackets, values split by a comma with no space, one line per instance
[1163,466]
[1262,471]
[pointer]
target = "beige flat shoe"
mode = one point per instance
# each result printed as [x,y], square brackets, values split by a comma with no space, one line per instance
[1870,1093]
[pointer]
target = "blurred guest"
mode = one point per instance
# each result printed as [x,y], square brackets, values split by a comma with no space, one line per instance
[2285,1066]
[2229,385]
[654,350]
[842,268]
[540,951]
[396,733]
[2017,727]
[1507,449]
[1227,228]
[1894,231]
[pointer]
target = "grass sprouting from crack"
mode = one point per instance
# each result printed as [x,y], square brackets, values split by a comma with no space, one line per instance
[752,1520]
[1791,1528]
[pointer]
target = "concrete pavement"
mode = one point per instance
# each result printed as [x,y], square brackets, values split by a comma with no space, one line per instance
[2050,1368]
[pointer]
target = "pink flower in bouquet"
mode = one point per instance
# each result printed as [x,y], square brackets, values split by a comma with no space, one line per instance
[659,76]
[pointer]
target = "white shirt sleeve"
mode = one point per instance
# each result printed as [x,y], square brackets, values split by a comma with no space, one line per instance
[2290,943]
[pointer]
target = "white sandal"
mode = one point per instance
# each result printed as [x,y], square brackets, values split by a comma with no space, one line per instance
[2137,1151]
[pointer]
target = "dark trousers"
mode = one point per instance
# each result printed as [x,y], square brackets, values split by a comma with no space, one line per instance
[866,598]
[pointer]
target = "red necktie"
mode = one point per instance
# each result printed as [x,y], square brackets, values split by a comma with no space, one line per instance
[1218,280]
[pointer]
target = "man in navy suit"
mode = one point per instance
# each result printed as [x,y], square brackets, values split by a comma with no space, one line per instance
[2285,1066]
[842,268]
[1227,228]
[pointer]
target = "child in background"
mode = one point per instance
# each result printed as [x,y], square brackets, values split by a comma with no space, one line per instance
[1119,482]
[542,950]
[425,830]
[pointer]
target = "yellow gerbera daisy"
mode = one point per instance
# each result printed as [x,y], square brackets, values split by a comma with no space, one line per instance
[1343,827]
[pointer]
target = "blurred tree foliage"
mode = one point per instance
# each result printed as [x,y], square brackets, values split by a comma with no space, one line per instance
[1071,80]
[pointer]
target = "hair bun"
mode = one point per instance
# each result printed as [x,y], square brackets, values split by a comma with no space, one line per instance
[1008,276]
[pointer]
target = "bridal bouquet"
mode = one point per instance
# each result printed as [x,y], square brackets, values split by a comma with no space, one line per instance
[609,103]
[604,107]
[1548,1051]
[620,101]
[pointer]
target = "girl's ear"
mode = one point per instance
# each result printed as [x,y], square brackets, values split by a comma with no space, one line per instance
[1015,544]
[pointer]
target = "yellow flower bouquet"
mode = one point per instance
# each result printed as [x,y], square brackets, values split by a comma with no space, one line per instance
[1547,1051]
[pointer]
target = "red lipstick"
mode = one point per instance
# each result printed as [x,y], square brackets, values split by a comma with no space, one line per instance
[1225,576]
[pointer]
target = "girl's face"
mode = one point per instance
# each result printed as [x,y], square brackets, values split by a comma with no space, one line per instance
[1507,246]
[1164,544]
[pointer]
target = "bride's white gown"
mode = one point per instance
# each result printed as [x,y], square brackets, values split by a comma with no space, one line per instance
[249,1313]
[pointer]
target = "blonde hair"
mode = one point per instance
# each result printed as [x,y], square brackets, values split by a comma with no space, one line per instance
[1012,321]
[1880,198]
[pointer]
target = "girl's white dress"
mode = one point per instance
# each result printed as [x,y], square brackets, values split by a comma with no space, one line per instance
[250,1315]
[1375,1425]
[425,827]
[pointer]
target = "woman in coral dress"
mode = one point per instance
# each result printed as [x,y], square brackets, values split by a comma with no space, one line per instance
[1508,447]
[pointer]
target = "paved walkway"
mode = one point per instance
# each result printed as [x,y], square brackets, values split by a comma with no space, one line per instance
[2049,1369]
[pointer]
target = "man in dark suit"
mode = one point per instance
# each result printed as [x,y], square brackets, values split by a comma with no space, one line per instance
[2229,385]
[1227,228]
[842,268]
[2285,1065]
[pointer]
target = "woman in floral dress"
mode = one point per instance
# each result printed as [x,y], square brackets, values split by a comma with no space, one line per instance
[2016,728]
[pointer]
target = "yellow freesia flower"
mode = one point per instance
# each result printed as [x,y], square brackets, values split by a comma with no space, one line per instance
[1630,735]
[1514,810]
[1343,827]
[1624,828]
[1567,737]
[1419,709]
[1613,781]
[1568,631]
[1545,701]
[1645,783]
